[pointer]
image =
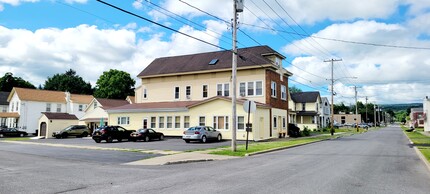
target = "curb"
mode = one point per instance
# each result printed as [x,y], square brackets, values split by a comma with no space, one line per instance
[420,155]
[187,161]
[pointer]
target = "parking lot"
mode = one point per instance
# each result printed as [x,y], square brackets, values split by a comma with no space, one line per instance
[168,144]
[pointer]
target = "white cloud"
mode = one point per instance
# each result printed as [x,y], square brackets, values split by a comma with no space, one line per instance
[76,1]
[89,50]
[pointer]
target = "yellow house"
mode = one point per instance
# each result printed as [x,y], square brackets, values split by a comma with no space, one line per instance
[182,91]
[305,109]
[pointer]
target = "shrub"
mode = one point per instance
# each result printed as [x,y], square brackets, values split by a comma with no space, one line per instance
[306,131]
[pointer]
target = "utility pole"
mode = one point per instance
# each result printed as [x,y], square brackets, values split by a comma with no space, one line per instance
[367,121]
[374,114]
[236,8]
[332,94]
[356,108]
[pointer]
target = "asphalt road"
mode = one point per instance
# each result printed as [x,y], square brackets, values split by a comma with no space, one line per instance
[374,162]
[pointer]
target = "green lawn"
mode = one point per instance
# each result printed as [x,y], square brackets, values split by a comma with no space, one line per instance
[16,139]
[421,141]
[262,146]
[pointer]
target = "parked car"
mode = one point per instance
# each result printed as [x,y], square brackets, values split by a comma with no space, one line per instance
[12,132]
[109,133]
[146,135]
[293,130]
[201,133]
[363,125]
[72,130]
[337,125]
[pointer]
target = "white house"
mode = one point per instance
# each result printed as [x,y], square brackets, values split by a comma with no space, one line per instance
[325,111]
[26,106]
[426,109]
[4,105]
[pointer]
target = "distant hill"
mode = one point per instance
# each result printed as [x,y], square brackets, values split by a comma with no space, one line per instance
[398,107]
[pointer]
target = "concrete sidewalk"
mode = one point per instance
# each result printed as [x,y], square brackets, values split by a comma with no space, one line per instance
[184,157]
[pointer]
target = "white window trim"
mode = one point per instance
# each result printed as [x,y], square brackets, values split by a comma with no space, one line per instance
[284,122]
[145,93]
[226,121]
[179,93]
[167,122]
[174,122]
[127,120]
[155,122]
[244,123]
[199,120]
[223,89]
[207,91]
[273,92]
[254,83]
[283,92]
[164,122]
[183,124]
[188,95]
[275,123]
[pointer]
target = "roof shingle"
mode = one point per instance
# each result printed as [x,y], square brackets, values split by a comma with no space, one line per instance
[301,97]
[60,116]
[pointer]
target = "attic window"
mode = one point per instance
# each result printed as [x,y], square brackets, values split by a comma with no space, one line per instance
[213,62]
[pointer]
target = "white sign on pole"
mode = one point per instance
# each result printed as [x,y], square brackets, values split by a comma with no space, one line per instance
[249,106]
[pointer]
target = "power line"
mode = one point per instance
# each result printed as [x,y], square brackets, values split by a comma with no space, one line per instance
[161,25]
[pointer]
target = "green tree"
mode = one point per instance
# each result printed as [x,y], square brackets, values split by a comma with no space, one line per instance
[340,108]
[114,84]
[68,81]
[8,81]
[294,89]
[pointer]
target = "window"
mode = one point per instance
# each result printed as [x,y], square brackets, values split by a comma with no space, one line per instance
[205,91]
[275,122]
[176,93]
[161,122]
[303,106]
[186,122]
[284,123]
[240,123]
[13,106]
[259,88]
[273,89]
[220,122]
[202,121]
[81,107]
[123,120]
[95,104]
[283,92]
[169,122]
[188,91]
[144,93]
[58,107]
[316,105]
[177,122]
[242,88]
[48,107]
[16,108]
[153,120]
[223,89]
[250,89]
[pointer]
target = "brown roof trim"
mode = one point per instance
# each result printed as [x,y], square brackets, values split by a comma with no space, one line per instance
[59,116]
[9,115]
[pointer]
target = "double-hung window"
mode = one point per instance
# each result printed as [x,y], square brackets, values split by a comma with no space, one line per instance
[252,88]
[58,107]
[186,122]
[153,122]
[273,89]
[188,92]
[283,92]
[240,123]
[223,89]
[242,89]
[205,91]
[48,107]
[169,121]
[202,121]
[176,93]
[123,120]
[161,122]
[177,122]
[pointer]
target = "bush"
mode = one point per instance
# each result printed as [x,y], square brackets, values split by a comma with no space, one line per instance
[306,131]
[326,129]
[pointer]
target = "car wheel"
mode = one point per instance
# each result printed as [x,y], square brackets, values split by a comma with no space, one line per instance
[21,135]
[161,137]
[134,140]
[219,137]
[97,140]
[64,135]
[1,135]
[109,139]
[187,141]
[204,139]
[146,138]
[57,136]
[119,139]
[84,134]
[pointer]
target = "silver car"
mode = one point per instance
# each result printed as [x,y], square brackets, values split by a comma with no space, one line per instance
[201,133]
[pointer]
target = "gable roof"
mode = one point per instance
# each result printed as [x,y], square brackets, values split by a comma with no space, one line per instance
[110,103]
[3,98]
[26,94]
[247,57]
[59,116]
[301,97]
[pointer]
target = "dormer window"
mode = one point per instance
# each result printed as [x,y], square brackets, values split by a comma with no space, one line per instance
[213,62]
[277,62]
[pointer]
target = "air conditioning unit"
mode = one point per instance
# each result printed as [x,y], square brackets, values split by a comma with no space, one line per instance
[188,97]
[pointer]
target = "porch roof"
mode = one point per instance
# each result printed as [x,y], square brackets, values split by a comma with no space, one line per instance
[9,115]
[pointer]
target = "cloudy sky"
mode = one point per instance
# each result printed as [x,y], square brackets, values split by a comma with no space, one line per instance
[385,44]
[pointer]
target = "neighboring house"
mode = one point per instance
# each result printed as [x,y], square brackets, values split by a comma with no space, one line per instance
[51,122]
[26,106]
[130,99]
[344,118]
[417,117]
[307,109]
[426,109]
[4,105]
[325,111]
[182,91]
[95,113]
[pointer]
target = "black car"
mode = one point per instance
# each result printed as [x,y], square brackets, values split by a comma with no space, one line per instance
[72,130]
[293,130]
[146,135]
[12,132]
[109,133]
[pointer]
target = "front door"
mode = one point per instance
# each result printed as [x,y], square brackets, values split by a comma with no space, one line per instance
[145,123]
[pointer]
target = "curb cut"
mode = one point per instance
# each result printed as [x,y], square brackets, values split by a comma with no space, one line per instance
[187,161]
[420,155]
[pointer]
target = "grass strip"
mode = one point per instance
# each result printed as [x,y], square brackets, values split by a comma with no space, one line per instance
[421,141]
[17,138]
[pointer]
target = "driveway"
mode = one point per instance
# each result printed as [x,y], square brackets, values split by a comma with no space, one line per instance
[168,144]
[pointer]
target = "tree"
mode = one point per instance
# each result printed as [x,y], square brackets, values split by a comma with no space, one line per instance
[68,81]
[8,81]
[114,84]
[340,108]
[294,89]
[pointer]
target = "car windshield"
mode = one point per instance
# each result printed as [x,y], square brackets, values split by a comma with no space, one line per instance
[68,128]
[142,130]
